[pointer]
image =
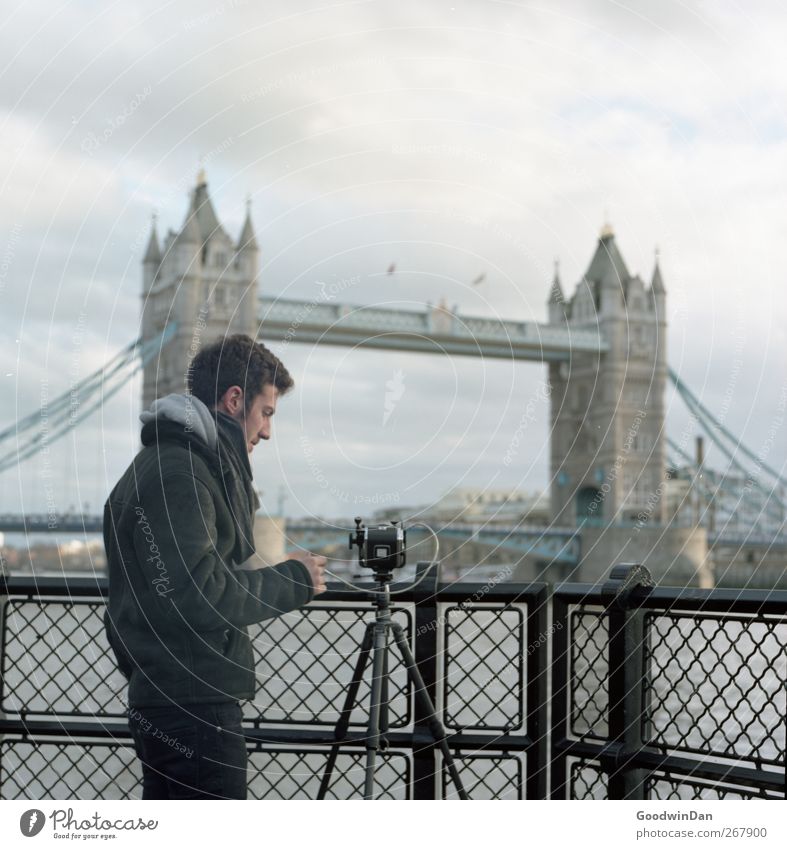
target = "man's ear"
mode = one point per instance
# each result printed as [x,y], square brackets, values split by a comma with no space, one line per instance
[231,402]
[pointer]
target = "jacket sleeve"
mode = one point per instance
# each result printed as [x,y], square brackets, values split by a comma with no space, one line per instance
[184,577]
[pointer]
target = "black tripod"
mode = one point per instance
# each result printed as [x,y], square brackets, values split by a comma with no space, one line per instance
[376,639]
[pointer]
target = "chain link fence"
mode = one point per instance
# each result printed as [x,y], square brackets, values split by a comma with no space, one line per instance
[668,693]
[64,733]
[654,693]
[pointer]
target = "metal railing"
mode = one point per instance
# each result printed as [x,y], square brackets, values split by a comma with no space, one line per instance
[654,693]
[63,732]
[667,692]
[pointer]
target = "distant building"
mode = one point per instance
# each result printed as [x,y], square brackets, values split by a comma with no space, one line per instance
[732,504]
[486,506]
[204,281]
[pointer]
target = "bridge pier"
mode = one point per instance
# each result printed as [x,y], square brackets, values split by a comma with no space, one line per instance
[674,556]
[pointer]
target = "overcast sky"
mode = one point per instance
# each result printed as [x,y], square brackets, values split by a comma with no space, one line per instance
[452,138]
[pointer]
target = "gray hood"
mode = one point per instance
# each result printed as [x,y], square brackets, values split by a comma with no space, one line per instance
[187,410]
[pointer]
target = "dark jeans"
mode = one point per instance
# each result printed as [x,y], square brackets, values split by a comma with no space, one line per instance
[190,751]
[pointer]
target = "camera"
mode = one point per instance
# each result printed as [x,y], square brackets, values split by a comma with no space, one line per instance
[381,547]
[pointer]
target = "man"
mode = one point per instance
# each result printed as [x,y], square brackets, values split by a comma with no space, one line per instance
[183,581]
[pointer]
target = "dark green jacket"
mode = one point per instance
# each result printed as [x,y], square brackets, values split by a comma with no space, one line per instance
[178,606]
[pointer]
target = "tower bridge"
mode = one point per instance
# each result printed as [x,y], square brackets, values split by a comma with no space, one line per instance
[604,348]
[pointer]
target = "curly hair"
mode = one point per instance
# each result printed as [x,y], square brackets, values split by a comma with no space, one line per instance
[236,361]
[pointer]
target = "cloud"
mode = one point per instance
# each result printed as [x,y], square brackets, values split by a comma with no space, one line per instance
[451,139]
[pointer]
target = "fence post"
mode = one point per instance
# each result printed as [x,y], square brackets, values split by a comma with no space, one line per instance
[625,682]
[425,770]
[537,652]
[4,575]
[559,696]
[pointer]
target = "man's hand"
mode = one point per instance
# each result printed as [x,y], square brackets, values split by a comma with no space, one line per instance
[315,563]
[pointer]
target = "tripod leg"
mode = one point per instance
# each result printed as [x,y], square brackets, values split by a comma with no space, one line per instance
[373,731]
[385,698]
[343,722]
[435,726]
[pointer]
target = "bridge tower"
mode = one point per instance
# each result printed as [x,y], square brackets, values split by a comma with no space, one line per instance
[202,280]
[607,410]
